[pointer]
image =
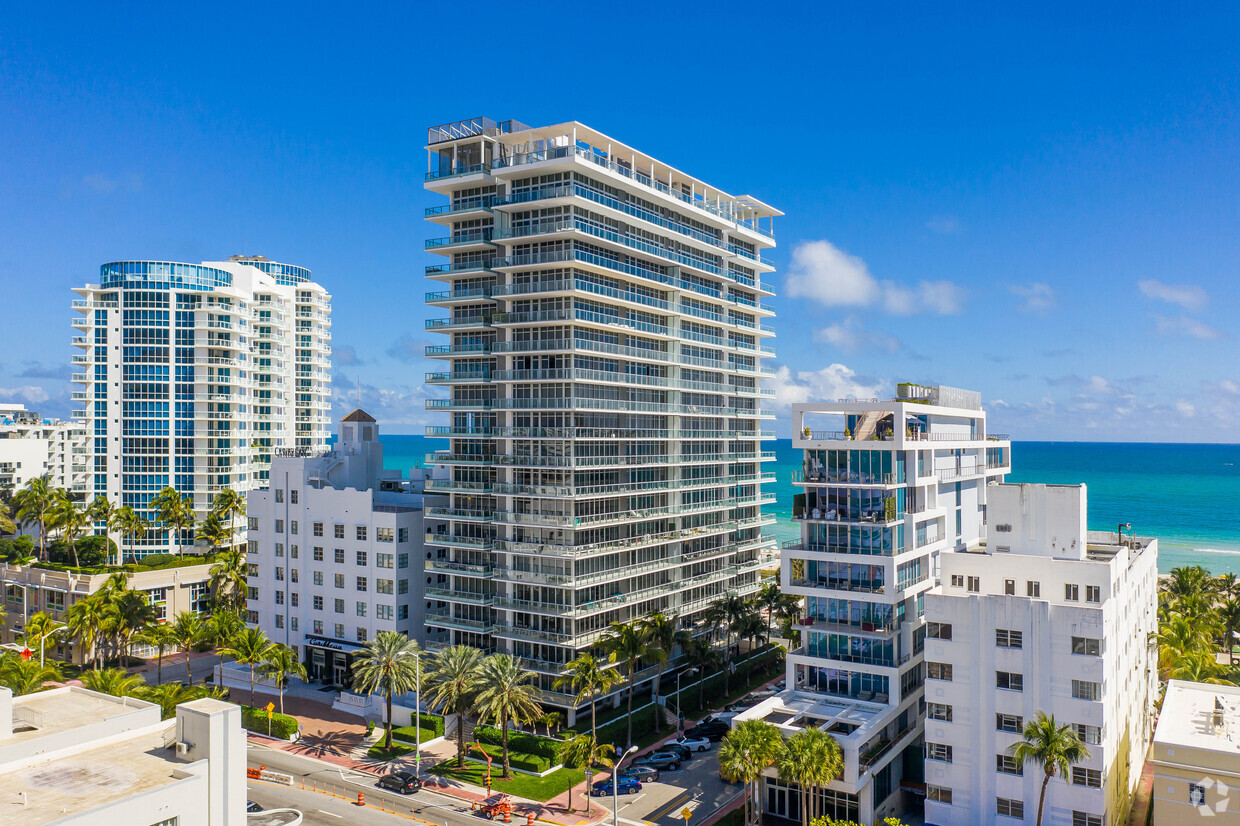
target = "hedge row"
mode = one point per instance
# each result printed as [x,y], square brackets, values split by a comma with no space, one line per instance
[431,725]
[255,719]
[644,720]
[518,741]
[516,759]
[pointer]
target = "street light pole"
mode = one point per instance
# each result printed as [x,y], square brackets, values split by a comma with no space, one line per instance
[615,786]
[417,715]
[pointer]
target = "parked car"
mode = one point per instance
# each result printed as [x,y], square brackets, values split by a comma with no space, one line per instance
[668,760]
[725,716]
[691,743]
[686,754]
[403,782]
[646,774]
[251,806]
[628,785]
[714,730]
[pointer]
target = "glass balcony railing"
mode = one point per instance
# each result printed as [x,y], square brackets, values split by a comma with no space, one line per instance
[456,171]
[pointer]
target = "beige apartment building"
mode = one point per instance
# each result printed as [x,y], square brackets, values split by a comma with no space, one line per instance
[29,590]
[1196,755]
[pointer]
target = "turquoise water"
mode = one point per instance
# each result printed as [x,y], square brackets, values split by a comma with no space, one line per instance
[1188,496]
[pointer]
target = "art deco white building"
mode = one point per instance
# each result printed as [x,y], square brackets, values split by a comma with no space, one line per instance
[888,487]
[32,446]
[74,757]
[336,551]
[1041,616]
[190,375]
[603,366]
[1195,759]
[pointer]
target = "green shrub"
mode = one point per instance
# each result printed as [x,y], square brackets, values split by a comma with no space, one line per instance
[516,759]
[13,548]
[370,727]
[378,752]
[255,719]
[432,727]
[91,550]
[518,741]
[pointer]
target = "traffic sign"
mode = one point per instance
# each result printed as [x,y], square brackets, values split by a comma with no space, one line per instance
[686,813]
[270,708]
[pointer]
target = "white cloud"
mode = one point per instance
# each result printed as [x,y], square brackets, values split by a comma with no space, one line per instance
[1229,386]
[1184,408]
[825,273]
[1039,296]
[391,406]
[1188,296]
[1182,325]
[835,381]
[851,335]
[31,393]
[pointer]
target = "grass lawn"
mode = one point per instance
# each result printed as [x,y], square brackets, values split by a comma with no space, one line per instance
[535,788]
[378,752]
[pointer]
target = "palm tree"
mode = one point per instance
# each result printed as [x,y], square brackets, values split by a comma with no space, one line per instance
[131,615]
[70,519]
[220,628]
[37,630]
[282,663]
[7,525]
[1198,667]
[1178,637]
[34,505]
[551,721]
[704,657]
[214,532]
[628,645]
[168,697]
[114,681]
[745,752]
[388,664]
[664,635]
[789,610]
[188,630]
[129,525]
[750,627]
[1053,747]
[724,615]
[85,619]
[249,647]
[160,637]
[452,682]
[1186,581]
[768,599]
[586,751]
[811,759]
[26,676]
[588,678]
[228,505]
[176,512]
[228,578]
[1229,616]
[506,694]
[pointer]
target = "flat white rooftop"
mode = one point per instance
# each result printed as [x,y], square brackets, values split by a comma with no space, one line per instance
[1200,716]
[795,710]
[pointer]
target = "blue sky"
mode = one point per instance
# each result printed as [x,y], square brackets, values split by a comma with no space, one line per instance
[1036,203]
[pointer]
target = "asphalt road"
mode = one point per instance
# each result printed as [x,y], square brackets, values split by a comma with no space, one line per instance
[318,809]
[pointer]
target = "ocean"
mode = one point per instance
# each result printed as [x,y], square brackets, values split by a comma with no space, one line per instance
[1188,496]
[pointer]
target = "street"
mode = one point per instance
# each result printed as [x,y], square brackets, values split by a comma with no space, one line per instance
[696,786]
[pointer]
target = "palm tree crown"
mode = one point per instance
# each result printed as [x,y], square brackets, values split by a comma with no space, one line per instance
[506,694]
[388,665]
[452,682]
[1053,747]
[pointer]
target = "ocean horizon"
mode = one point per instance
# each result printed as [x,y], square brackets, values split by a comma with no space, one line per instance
[1185,495]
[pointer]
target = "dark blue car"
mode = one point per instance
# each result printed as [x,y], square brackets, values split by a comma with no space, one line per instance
[628,785]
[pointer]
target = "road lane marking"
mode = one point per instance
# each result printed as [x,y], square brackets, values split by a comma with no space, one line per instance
[331,814]
[678,800]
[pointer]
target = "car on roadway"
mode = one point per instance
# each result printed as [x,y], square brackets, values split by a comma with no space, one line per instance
[627,785]
[686,754]
[714,730]
[251,806]
[646,774]
[691,743]
[402,782]
[660,760]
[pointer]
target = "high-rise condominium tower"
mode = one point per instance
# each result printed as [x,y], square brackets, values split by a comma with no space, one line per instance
[191,375]
[603,371]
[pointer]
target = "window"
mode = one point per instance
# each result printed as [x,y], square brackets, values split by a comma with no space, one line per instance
[279,620]
[279,549]
[1007,764]
[938,671]
[1093,593]
[338,556]
[318,554]
[318,528]
[957,580]
[339,606]
[384,586]
[1086,819]
[361,609]
[402,560]
[361,557]
[361,533]
[1009,681]
[279,526]
[292,497]
[338,580]
[1090,735]
[1086,645]
[402,534]
[1072,593]
[279,496]
[279,574]
[384,534]
[338,630]
[361,583]
[1196,794]
[975,584]
[384,612]
[1083,690]
[1009,587]
[939,751]
[1010,808]
[1005,638]
[939,794]
[251,617]
[292,597]
[338,531]
[1033,589]
[293,551]
[1086,777]
[292,623]
[361,635]
[317,626]
[939,630]
[383,560]
[939,711]
[292,526]
[403,587]
[402,612]
[1009,722]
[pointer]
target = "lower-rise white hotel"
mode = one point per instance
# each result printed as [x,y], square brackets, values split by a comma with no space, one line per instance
[32,446]
[336,551]
[1042,615]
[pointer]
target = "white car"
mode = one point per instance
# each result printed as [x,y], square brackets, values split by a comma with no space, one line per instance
[692,744]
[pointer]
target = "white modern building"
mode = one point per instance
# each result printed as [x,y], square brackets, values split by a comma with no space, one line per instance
[888,488]
[1040,615]
[190,375]
[32,446]
[1196,755]
[73,757]
[605,336]
[336,551]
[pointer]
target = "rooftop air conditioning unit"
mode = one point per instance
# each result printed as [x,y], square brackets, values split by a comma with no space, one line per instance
[182,747]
